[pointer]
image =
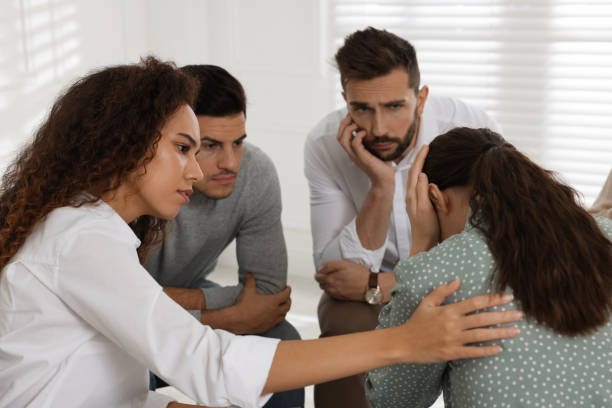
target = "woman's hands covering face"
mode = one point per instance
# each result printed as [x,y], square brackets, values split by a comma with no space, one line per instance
[423,218]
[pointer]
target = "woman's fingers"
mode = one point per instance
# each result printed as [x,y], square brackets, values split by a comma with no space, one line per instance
[422,194]
[476,352]
[491,319]
[481,302]
[482,335]
[440,293]
[417,167]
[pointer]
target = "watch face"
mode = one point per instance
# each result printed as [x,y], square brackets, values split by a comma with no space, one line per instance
[374,296]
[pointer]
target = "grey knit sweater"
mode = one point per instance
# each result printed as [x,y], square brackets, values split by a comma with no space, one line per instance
[205,227]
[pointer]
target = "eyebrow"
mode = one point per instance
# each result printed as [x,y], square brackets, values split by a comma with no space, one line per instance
[359,104]
[363,104]
[213,140]
[188,137]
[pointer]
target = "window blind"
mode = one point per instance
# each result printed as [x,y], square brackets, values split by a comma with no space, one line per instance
[541,68]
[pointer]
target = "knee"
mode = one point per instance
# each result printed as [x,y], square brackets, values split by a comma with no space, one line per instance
[283,331]
[337,317]
[353,324]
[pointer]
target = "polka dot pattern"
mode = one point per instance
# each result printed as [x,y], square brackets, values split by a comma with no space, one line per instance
[539,368]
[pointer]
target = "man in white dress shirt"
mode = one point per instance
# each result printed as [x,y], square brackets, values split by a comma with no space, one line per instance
[356,161]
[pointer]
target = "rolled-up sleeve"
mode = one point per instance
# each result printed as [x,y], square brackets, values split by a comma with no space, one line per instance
[352,250]
[332,212]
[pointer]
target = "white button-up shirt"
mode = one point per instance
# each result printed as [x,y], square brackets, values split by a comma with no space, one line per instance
[338,187]
[81,323]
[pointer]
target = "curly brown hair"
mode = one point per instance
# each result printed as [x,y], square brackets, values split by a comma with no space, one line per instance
[546,247]
[101,129]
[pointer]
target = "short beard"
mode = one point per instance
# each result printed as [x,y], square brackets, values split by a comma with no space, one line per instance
[402,144]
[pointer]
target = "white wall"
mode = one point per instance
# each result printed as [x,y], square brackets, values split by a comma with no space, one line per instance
[46,44]
[278,49]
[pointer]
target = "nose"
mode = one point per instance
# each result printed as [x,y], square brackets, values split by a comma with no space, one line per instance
[379,126]
[193,170]
[228,161]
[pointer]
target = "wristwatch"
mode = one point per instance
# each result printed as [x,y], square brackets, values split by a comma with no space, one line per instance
[373,294]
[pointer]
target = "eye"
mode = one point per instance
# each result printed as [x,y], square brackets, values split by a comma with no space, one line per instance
[208,146]
[395,106]
[361,109]
[182,148]
[238,142]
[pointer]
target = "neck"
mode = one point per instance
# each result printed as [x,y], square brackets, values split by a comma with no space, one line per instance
[122,202]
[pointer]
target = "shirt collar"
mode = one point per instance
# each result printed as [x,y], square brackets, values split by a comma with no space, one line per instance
[103,209]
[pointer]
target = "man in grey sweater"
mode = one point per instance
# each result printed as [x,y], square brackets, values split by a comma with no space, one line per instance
[238,198]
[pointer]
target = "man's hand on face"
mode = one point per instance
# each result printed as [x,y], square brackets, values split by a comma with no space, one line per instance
[255,313]
[350,138]
[343,280]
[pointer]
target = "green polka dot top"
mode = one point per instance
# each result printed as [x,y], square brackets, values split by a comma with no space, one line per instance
[539,368]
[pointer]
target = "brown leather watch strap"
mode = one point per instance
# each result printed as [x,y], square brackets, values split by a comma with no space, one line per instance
[373,281]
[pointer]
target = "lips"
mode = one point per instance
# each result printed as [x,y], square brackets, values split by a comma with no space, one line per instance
[383,146]
[185,194]
[225,179]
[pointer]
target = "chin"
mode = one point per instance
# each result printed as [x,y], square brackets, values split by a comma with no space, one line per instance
[167,214]
[389,156]
[219,194]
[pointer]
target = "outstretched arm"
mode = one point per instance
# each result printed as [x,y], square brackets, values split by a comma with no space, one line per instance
[434,333]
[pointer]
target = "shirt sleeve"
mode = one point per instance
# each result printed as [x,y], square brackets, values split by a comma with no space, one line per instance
[332,213]
[413,385]
[603,204]
[100,279]
[463,114]
[157,400]
[260,243]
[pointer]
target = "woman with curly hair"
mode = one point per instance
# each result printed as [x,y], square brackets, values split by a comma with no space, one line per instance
[504,224]
[81,321]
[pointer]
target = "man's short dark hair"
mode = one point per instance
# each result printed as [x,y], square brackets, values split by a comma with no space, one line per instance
[371,53]
[220,94]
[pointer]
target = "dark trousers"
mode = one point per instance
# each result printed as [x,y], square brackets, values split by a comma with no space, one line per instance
[338,317]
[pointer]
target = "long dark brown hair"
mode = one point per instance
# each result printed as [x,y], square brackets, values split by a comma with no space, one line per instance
[98,132]
[546,247]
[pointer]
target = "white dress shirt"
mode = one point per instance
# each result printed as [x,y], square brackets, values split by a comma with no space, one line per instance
[338,187]
[81,323]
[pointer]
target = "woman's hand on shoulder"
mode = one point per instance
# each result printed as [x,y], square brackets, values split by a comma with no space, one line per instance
[437,332]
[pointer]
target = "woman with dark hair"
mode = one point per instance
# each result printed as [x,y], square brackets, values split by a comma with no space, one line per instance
[81,321]
[504,223]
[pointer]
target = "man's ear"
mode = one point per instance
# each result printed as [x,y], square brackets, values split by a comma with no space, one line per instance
[343,95]
[438,199]
[422,98]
